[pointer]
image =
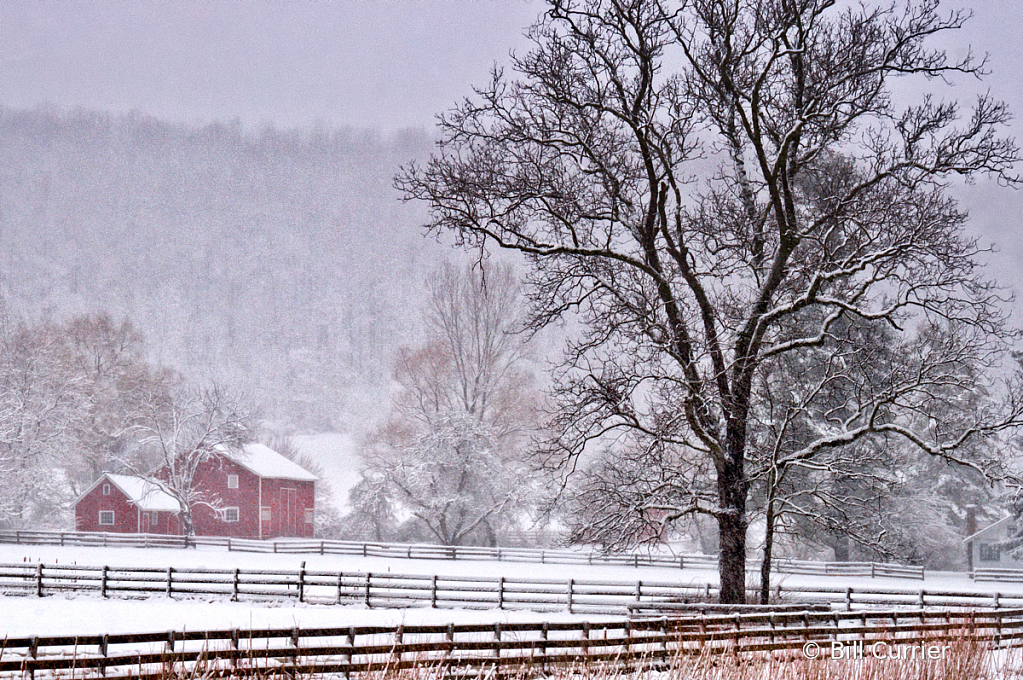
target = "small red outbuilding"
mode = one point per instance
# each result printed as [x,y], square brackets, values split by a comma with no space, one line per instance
[258,493]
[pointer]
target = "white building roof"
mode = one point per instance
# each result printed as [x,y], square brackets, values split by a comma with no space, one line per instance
[144,494]
[265,462]
[993,531]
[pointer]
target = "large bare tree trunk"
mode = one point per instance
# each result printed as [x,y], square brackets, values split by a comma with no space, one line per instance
[732,525]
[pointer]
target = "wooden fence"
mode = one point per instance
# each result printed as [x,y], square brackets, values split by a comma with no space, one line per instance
[386,589]
[500,648]
[443,552]
[1005,575]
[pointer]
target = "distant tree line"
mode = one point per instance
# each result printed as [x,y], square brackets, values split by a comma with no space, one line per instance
[268,260]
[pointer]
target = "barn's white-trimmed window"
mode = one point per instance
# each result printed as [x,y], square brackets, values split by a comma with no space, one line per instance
[264,513]
[230,514]
[106,517]
[232,481]
[106,489]
[990,552]
[308,515]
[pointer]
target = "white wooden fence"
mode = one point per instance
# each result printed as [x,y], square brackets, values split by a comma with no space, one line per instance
[388,589]
[443,552]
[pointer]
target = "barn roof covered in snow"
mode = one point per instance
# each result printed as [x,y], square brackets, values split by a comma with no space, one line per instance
[144,494]
[265,462]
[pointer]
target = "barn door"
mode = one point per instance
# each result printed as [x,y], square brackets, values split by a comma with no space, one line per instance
[146,527]
[289,512]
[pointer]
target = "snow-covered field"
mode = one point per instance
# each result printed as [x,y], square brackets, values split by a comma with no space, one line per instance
[90,614]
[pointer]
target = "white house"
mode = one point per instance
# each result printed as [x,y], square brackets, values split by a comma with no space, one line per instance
[985,549]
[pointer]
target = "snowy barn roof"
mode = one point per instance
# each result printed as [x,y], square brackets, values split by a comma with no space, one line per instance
[996,531]
[143,494]
[265,462]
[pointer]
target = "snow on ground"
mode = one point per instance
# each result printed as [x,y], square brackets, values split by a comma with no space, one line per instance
[90,614]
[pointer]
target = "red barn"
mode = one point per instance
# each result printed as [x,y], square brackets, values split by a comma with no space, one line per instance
[126,505]
[258,494]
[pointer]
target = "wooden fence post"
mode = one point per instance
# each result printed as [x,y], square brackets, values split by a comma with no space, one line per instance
[39,580]
[234,590]
[348,652]
[33,651]
[368,577]
[586,640]
[340,586]
[571,587]
[848,599]
[301,582]
[170,641]
[104,645]
[872,570]
[500,593]
[433,592]
[235,647]
[103,582]
[497,647]
[170,581]
[543,645]
[639,590]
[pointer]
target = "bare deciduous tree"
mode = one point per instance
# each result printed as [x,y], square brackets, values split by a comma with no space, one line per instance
[452,454]
[180,437]
[714,185]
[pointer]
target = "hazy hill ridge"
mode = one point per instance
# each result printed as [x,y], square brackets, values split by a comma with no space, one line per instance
[280,262]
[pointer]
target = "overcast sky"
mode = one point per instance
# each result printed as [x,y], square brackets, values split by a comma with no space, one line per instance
[378,64]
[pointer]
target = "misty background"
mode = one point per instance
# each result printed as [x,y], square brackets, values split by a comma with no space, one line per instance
[221,175]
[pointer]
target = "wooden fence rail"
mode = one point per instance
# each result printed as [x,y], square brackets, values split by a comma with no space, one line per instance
[498,648]
[386,589]
[1009,575]
[443,552]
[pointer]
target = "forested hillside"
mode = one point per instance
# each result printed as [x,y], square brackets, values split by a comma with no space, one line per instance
[278,263]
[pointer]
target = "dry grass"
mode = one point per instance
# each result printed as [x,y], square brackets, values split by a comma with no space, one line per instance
[964,659]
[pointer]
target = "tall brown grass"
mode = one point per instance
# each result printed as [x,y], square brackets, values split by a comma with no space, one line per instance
[965,659]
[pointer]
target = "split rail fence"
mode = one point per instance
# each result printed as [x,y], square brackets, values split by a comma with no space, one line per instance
[500,648]
[443,552]
[392,590]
